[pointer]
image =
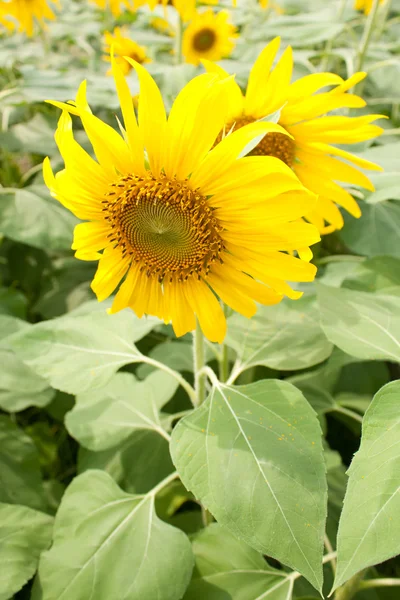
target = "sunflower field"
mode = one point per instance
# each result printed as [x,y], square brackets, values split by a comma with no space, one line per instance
[199,300]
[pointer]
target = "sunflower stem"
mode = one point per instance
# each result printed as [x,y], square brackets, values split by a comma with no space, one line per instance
[224,360]
[178,42]
[350,588]
[329,44]
[367,35]
[199,363]
[372,583]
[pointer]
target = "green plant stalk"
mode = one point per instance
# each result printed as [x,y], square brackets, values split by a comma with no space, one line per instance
[224,360]
[199,363]
[372,583]
[329,44]
[178,42]
[367,36]
[350,588]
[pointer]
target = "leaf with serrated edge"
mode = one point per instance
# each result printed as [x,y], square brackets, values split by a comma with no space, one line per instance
[369,529]
[24,534]
[78,353]
[103,418]
[253,456]
[107,542]
[365,325]
[285,337]
[225,566]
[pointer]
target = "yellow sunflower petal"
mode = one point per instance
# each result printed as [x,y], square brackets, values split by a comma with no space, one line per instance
[132,130]
[258,84]
[91,236]
[234,96]
[111,269]
[207,309]
[309,84]
[202,99]
[178,309]
[127,289]
[152,117]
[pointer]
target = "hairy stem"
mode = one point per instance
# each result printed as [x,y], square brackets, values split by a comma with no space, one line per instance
[372,583]
[181,380]
[367,36]
[199,363]
[350,413]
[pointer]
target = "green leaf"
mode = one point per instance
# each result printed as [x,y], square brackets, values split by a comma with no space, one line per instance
[106,540]
[225,567]
[369,529]
[287,336]
[31,216]
[82,350]
[137,464]
[20,387]
[24,534]
[20,479]
[376,232]
[12,302]
[362,324]
[374,274]
[253,456]
[105,417]
[177,355]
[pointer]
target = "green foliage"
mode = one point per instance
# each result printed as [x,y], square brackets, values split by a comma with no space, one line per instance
[369,528]
[253,455]
[99,526]
[98,410]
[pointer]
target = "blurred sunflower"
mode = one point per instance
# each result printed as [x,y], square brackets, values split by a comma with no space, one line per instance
[115,6]
[27,11]
[209,36]
[194,224]
[123,46]
[309,152]
[4,16]
[185,8]
[365,5]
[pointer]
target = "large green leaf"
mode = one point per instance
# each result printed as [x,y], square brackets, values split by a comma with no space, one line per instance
[377,230]
[228,568]
[24,534]
[369,529]
[31,216]
[107,542]
[362,324]
[287,336]
[103,418]
[20,387]
[12,302]
[137,464]
[253,456]
[20,479]
[82,350]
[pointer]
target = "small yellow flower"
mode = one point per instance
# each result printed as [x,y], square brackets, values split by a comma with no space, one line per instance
[209,36]
[303,115]
[193,223]
[365,5]
[162,25]
[123,46]
[115,6]
[26,12]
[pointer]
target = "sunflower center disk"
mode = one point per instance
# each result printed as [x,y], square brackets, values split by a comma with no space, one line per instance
[273,144]
[165,226]
[204,40]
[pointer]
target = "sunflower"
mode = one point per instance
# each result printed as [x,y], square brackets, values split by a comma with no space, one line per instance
[191,223]
[365,5]
[5,15]
[209,36]
[309,151]
[185,8]
[26,11]
[115,6]
[124,46]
